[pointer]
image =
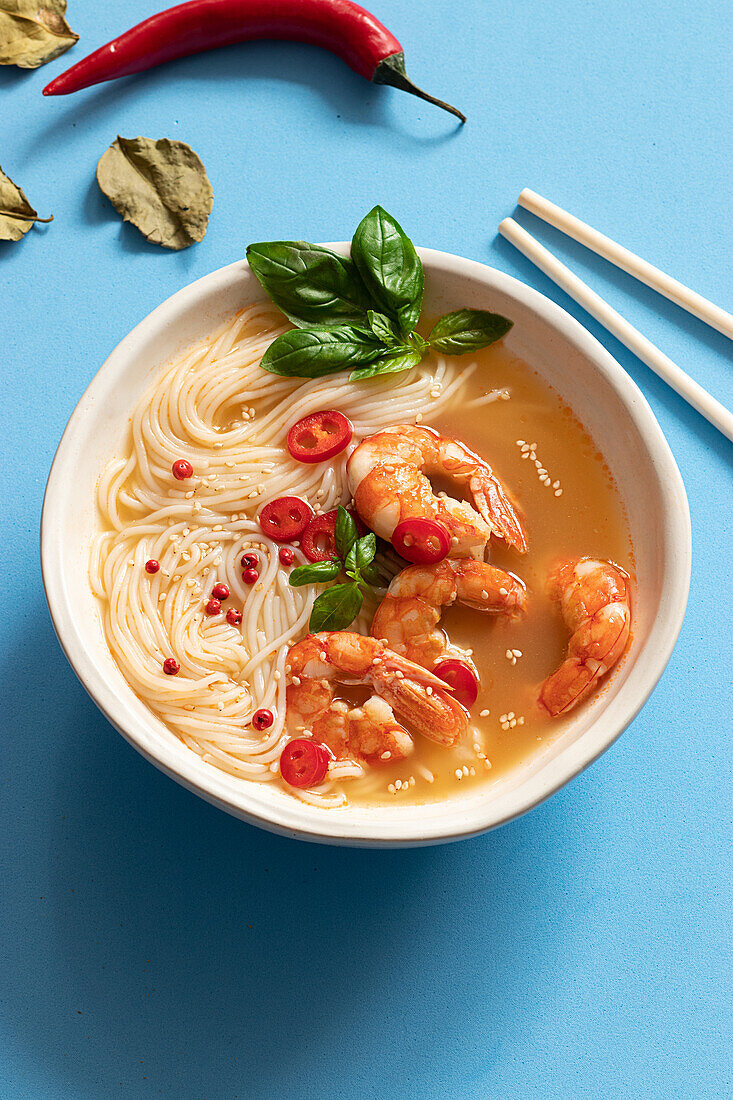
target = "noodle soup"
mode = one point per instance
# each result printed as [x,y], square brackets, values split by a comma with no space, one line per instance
[217,411]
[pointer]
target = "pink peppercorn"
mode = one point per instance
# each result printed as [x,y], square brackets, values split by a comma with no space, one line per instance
[234,617]
[152,566]
[213,607]
[170,666]
[182,469]
[250,576]
[287,557]
[220,592]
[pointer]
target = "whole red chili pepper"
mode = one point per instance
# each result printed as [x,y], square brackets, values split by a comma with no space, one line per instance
[337,25]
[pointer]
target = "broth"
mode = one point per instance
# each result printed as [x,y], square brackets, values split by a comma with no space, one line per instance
[578,514]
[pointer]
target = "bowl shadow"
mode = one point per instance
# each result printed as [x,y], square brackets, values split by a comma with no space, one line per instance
[152,937]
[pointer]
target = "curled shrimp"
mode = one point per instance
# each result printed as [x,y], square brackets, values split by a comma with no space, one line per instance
[595,600]
[402,690]
[389,480]
[409,614]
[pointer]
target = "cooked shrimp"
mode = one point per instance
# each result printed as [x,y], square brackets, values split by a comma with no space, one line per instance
[371,732]
[389,480]
[410,612]
[596,605]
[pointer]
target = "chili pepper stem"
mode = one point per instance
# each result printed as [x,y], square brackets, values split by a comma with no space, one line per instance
[392,71]
[24,217]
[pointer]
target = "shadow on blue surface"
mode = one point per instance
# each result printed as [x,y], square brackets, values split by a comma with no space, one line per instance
[146,913]
[351,98]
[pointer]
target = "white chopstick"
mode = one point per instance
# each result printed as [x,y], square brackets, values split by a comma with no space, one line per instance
[646,273]
[661,364]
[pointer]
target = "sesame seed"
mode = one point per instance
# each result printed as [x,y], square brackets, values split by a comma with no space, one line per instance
[386,755]
[517,652]
[465,770]
[484,713]
[398,784]
[558,492]
[459,773]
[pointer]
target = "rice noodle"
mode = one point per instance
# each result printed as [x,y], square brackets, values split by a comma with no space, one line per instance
[217,408]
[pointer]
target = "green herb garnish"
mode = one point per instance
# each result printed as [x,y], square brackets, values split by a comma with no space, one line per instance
[359,314]
[338,606]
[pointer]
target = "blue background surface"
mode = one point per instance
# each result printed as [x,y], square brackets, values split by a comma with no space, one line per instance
[153,946]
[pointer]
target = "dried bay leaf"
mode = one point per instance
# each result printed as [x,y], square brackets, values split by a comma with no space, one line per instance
[16,213]
[159,186]
[33,32]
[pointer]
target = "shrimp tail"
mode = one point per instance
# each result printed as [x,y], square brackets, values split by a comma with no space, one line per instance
[497,510]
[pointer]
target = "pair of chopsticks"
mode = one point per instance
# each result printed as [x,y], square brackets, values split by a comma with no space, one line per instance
[617,325]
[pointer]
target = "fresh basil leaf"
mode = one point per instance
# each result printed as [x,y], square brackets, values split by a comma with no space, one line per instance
[317,573]
[310,284]
[417,342]
[370,574]
[313,352]
[336,608]
[468,330]
[345,532]
[389,266]
[384,329]
[350,564]
[387,365]
[365,548]
[361,555]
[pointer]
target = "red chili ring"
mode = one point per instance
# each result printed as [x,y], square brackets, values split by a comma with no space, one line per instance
[461,678]
[319,436]
[421,541]
[304,763]
[286,518]
[318,541]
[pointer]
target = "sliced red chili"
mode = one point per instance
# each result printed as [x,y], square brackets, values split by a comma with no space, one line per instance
[319,436]
[421,541]
[461,678]
[304,763]
[286,518]
[318,541]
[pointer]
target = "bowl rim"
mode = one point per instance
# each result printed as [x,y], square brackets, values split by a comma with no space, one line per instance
[327,826]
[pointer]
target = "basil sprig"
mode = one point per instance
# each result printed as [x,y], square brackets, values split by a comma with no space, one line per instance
[338,606]
[359,314]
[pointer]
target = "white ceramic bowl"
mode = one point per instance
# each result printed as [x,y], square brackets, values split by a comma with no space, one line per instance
[608,403]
